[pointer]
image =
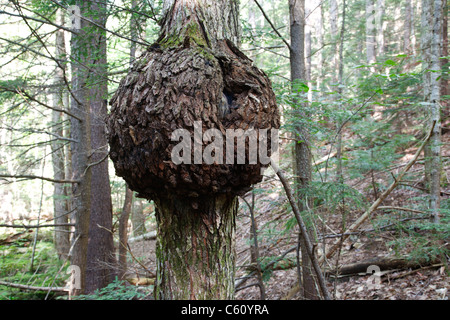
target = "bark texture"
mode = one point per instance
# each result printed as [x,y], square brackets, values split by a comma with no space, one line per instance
[196,251]
[171,88]
[93,246]
[60,203]
[302,154]
[193,78]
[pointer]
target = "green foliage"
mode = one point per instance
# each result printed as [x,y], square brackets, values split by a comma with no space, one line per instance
[15,262]
[418,236]
[116,290]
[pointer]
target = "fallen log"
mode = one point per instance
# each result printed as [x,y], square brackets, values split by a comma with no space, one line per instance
[145,237]
[382,263]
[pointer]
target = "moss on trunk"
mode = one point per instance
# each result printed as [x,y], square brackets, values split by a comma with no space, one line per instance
[195,249]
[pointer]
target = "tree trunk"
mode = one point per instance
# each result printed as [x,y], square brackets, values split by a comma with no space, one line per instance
[432,16]
[445,83]
[101,261]
[123,232]
[381,27]
[80,155]
[138,218]
[60,204]
[371,34]
[407,48]
[195,246]
[334,15]
[302,156]
[195,249]
[93,247]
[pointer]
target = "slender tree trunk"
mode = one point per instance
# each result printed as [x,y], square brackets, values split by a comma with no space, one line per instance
[381,27]
[123,232]
[435,108]
[80,134]
[371,33]
[445,83]
[321,42]
[407,47]
[334,15]
[101,263]
[308,38]
[93,248]
[339,173]
[138,218]
[302,156]
[60,207]
[432,17]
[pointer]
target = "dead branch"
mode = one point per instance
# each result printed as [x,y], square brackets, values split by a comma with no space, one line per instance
[33,288]
[19,226]
[31,177]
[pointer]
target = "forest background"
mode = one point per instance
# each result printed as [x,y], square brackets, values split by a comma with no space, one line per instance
[374,92]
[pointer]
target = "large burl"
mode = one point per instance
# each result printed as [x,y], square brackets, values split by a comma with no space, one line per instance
[177,86]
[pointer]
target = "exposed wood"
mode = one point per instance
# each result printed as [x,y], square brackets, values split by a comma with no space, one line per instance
[145,237]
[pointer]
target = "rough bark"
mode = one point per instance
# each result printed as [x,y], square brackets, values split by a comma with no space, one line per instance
[432,16]
[80,153]
[101,261]
[93,247]
[302,155]
[195,249]
[175,87]
[60,204]
[180,83]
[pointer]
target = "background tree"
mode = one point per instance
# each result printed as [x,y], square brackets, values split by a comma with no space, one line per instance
[93,242]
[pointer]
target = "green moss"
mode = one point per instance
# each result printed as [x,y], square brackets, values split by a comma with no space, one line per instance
[191,31]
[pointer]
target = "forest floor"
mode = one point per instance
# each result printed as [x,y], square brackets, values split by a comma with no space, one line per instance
[423,282]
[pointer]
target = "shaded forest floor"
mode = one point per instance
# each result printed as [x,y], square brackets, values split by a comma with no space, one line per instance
[273,217]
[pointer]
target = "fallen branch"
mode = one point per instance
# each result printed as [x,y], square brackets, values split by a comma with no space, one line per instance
[382,263]
[146,237]
[401,209]
[31,177]
[23,226]
[33,288]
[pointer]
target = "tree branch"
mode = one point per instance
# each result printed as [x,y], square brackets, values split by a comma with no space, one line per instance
[304,232]
[26,287]
[273,27]
[32,177]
